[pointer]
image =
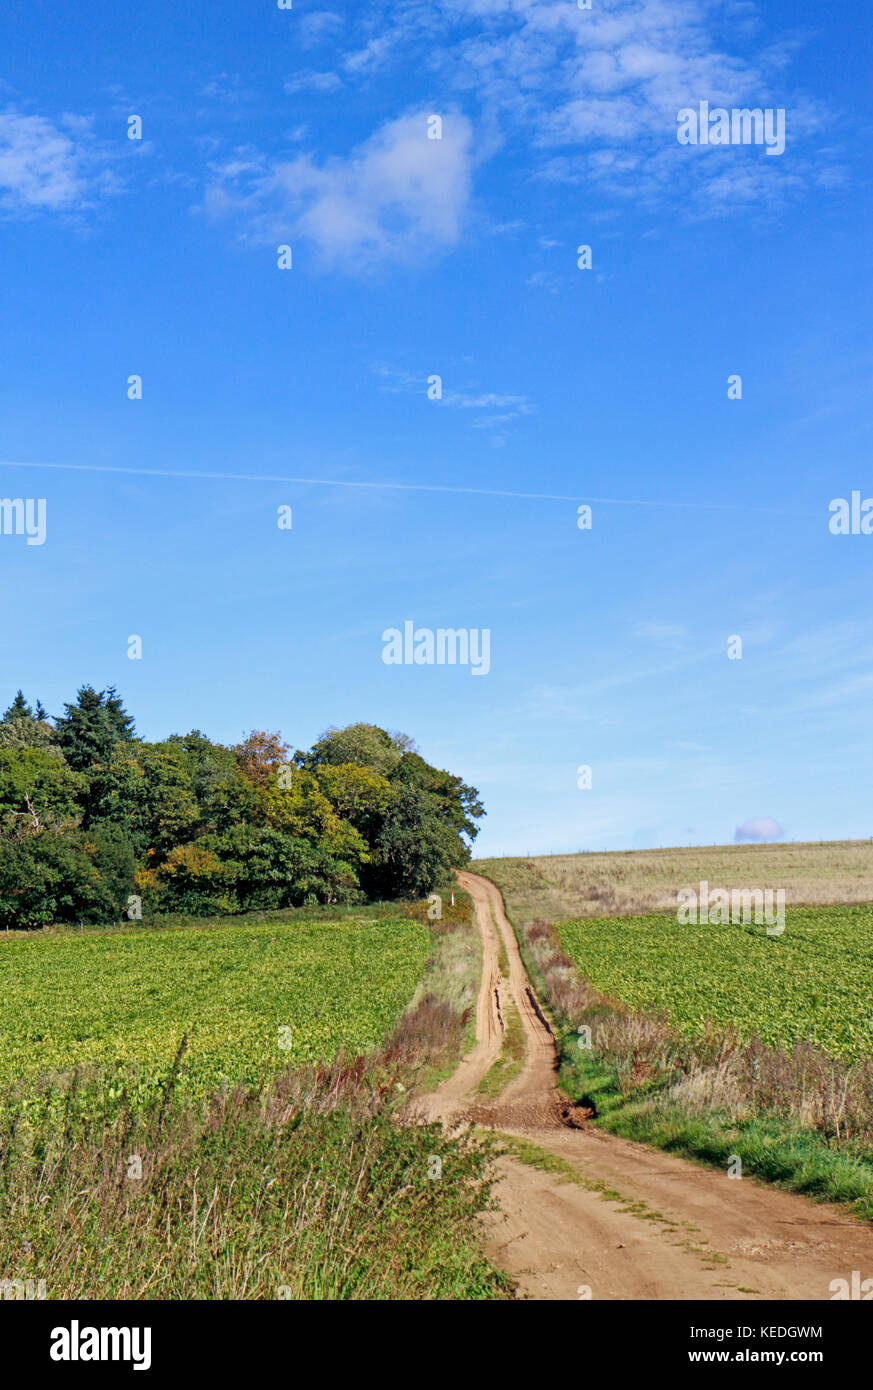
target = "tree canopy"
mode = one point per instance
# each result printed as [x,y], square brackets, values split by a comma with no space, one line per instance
[88,730]
[97,823]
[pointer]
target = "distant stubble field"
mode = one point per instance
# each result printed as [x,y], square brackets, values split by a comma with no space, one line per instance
[559,887]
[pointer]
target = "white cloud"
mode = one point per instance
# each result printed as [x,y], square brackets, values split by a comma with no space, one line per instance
[226,88]
[585,97]
[313,29]
[374,54]
[507,407]
[543,280]
[47,167]
[398,196]
[310,81]
[401,380]
[488,400]
[761,829]
[594,95]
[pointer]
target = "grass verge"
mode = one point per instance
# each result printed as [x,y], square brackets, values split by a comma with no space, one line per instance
[513,1051]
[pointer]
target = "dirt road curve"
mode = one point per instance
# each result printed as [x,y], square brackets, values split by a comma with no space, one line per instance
[636,1223]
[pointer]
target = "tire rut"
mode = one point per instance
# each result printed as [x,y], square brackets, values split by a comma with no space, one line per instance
[621,1221]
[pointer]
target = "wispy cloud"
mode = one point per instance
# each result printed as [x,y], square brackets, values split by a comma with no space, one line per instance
[318,27]
[543,280]
[48,166]
[670,637]
[586,97]
[593,95]
[374,53]
[311,81]
[491,411]
[398,196]
[227,88]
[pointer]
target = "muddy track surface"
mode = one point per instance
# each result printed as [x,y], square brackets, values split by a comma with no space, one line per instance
[621,1221]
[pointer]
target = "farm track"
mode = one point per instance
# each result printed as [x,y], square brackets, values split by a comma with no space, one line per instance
[639,1224]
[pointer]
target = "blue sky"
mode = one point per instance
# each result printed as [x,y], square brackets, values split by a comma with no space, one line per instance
[457,257]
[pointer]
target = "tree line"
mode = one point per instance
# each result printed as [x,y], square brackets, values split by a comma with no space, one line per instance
[97,824]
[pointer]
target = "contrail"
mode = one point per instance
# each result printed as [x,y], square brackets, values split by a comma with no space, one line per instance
[398,487]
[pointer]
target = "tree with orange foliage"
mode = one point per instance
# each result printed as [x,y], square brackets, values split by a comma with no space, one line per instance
[260,755]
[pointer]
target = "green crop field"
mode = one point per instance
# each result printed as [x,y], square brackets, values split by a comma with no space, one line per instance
[814,983]
[249,997]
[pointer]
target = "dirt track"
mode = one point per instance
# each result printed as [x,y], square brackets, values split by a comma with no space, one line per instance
[638,1223]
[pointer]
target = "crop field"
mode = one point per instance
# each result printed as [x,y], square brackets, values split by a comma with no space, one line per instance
[249,997]
[814,983]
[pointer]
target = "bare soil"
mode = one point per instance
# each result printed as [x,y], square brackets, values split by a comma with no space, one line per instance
[616,1220]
